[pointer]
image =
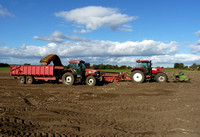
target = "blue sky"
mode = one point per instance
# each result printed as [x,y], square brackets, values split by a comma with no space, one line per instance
[100,31]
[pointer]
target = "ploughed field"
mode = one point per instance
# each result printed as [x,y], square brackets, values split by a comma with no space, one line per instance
[116,109]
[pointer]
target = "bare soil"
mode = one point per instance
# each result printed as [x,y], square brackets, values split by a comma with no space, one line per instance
[116,109]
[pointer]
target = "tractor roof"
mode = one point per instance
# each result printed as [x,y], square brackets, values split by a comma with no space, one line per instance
[147,61]
[76,61]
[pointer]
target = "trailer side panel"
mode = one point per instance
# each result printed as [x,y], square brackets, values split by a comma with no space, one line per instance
[36,70]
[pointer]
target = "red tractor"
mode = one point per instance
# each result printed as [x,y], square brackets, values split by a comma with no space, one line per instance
[77,72]
[143,71]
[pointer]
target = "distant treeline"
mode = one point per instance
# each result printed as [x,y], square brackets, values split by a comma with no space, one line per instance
[106,66]
[194,66]
[4,65]
[8,65]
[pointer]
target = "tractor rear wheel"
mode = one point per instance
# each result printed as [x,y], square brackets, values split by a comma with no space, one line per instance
[68,78]
[137,76]
[91,81]
[22,80]
[161,77]
[29,80]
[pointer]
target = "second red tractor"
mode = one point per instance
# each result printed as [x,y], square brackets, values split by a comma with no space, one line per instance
[144,71]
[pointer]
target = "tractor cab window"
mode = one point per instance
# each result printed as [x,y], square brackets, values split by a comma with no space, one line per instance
[138,65]
[73,65]
[77,68]
[144,65]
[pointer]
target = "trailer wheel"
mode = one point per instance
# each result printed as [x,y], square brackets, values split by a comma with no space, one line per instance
[91,81]
[68,78]
[161,77]
[29,80]
[137,76]
[22,80]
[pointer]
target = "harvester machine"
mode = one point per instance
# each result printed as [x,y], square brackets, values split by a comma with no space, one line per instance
[180,77]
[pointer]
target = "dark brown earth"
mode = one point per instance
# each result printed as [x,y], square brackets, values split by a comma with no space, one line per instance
[117,109]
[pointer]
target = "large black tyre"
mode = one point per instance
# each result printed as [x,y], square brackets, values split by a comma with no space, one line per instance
[68,78]
[22,80]
[29,80]
[91,81]
[137,76]
[161,77]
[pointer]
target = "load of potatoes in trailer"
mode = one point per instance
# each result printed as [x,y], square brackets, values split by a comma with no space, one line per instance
[78,73]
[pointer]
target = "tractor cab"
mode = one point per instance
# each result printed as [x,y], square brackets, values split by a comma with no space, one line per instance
[145,64]
[78,66]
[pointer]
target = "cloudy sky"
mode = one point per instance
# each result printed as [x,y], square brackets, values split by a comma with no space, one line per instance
[100,31]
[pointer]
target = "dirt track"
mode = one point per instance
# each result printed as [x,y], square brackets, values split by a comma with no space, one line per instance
[116,109]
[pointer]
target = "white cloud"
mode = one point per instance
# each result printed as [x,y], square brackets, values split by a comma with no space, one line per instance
[94,17]
[185,58]
[30,51]
[52,39]
[198,33]
[143,48]
[78,46]
[96,51]
[58,37]
[94,48]
[4,12]
[195,48]
[2,43]
[93,51]
[158,60]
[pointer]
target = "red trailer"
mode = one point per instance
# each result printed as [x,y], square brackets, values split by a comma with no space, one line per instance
[27,74]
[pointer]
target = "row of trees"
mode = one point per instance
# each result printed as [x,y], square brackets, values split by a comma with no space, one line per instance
[4,65]
[7,65]
[194,66]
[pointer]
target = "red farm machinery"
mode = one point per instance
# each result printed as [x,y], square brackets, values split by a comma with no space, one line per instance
[78,73]
[144,71]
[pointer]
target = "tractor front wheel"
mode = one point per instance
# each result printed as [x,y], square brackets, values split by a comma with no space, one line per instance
[68,78]
[137,76]
[161,77]
[91,81]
